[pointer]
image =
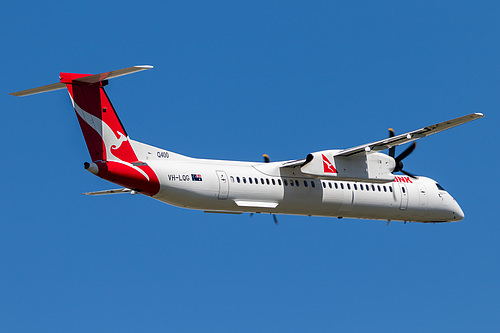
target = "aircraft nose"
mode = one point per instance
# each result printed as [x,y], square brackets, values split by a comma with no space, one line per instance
[458,213]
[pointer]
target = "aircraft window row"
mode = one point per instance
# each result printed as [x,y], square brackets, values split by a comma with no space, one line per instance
[272,181]
[256,180]
[362,187]
[292,182]
[306,183]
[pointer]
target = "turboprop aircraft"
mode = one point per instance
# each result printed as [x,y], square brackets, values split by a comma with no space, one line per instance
[356,182]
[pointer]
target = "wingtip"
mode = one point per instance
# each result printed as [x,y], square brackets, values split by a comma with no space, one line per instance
[479,114]
[144,66]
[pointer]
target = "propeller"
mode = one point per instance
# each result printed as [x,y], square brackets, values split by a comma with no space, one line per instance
[402,156]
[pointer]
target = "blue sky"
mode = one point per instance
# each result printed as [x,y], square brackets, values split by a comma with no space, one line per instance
[234,80]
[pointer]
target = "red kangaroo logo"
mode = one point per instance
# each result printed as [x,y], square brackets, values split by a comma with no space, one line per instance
[328,166]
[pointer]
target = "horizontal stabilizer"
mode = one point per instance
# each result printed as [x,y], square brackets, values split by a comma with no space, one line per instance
[111,75]
[116,191]
[38,90]
[83,80]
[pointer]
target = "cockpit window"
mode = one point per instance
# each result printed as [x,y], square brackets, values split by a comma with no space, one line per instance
[440,187]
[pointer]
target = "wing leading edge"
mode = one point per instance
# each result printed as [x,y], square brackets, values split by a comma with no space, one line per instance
[410,136]
[395,140]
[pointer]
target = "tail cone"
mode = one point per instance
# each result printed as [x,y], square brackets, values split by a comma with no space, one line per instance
[92,167]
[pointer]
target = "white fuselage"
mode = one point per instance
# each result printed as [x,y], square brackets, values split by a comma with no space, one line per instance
[356,182]
[231,186]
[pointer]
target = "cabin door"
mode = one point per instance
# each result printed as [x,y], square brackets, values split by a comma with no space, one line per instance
[223,185]
[404,196]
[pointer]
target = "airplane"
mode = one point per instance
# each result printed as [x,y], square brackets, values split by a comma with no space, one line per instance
[357,182]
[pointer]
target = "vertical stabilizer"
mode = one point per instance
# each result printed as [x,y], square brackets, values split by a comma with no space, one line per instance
[107,141]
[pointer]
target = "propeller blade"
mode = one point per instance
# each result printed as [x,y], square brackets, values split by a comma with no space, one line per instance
[266,158]
[392,150]
[409,174]
[275,219]
[407,152]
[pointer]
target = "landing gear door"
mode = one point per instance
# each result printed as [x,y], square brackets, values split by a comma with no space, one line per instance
[223,185]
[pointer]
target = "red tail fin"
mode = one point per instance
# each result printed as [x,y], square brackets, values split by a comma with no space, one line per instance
[104,134]
[107,141]
[106,138]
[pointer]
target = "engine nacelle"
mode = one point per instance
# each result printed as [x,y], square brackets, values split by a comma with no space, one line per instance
[369,166]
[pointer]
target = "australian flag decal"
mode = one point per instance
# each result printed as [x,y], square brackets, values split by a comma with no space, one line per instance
[196,178]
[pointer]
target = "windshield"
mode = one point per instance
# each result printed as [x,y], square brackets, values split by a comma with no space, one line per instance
[440,187]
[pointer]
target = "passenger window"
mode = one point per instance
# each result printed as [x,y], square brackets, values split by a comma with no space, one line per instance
[361,187]
[373,187]
[250,180]
[348,186]
[368,187]
[312,183]
[390,188]
[305,183]
[324,184]
[285,181]
[267,181]
[291,182]
[238,179]
[403,189]
[297,183]
[378,188]
[385,189]
[256,181]
[232,179]
[336,186]
[262,181]
[279,182]
[355,186]
[342,185]
[273,181]
[244,180]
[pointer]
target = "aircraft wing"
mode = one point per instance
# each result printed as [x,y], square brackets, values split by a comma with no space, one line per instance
[392,141]
[410,136]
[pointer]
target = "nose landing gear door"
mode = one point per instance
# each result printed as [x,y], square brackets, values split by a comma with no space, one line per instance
[223,185]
